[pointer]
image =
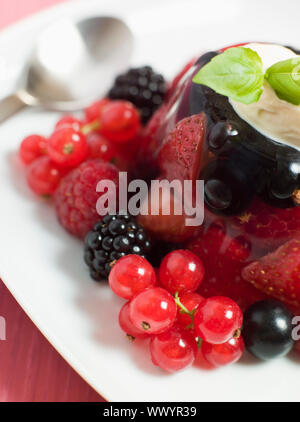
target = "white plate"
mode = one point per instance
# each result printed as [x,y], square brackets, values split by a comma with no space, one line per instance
[42,265]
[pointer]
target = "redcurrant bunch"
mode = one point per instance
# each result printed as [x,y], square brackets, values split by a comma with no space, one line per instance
[176,324]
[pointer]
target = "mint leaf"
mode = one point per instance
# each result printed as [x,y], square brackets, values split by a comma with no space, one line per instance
[284,77]
[237,73]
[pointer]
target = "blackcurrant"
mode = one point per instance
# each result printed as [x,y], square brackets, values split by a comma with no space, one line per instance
[267,329]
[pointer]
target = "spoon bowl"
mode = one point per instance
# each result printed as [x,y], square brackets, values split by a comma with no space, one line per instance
[71,65]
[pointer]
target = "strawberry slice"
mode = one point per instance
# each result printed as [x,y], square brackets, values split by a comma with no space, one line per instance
[268,227]
[182,154]
[278,273]
[224,257]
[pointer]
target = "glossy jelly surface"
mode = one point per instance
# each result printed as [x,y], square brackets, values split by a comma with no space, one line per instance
[251,188]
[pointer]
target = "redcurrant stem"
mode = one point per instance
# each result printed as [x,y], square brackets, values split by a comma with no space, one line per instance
[183,309]
[191,313]
[91,127]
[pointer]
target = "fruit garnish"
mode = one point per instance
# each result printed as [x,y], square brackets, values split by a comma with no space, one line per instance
[43,176]
[187,306]
[111,239]
[126,324]
[131,275]
[32,147]
[278,273]
[181,271]
[267,226]
[182,154]
[153,310]
[169,228]
[218,319]
[284,77]
[223,257]
[143,87]
[76,197]
[173,350]
[225,353]
[119,121]
[236,73]
[69,121]
[67,146]
[267,329]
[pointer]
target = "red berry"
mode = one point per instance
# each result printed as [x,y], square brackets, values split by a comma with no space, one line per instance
[127,326]
[153,310]
[173,350]
[217,319]
[268,227]
[43,176]
[76,198]
[278,273]
[225,353]
[183,153]
[190,301]
[94,111]
[120,121]
[67,147]
[181,271]
[130,275]
[32,147]
[69,121]
[224,257]
[100,147]
[169,227]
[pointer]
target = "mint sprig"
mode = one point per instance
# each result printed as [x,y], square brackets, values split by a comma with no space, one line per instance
[284,77]
[237,73]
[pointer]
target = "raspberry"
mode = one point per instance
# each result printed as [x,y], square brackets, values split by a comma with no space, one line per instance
[76,196]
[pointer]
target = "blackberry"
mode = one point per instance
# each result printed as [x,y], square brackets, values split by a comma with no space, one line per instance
[142,87]
[110,239]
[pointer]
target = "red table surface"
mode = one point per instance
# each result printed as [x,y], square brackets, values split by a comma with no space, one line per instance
[30,368]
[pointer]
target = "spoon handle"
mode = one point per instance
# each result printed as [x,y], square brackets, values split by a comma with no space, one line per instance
[9,106]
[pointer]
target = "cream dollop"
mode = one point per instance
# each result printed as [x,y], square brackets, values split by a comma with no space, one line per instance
[271,116]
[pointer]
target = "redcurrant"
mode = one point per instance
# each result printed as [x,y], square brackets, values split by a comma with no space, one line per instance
[181,271]
[100,147]
[69,121]
[190,301]
[173,350]
[43,176]
[225,353]
[94,111]
[153,310]
[32,147]
[120,121]
[130,275]
[127,326]
[217,319]
[67,147]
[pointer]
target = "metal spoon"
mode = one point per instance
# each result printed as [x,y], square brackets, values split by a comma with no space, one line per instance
[71,65]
